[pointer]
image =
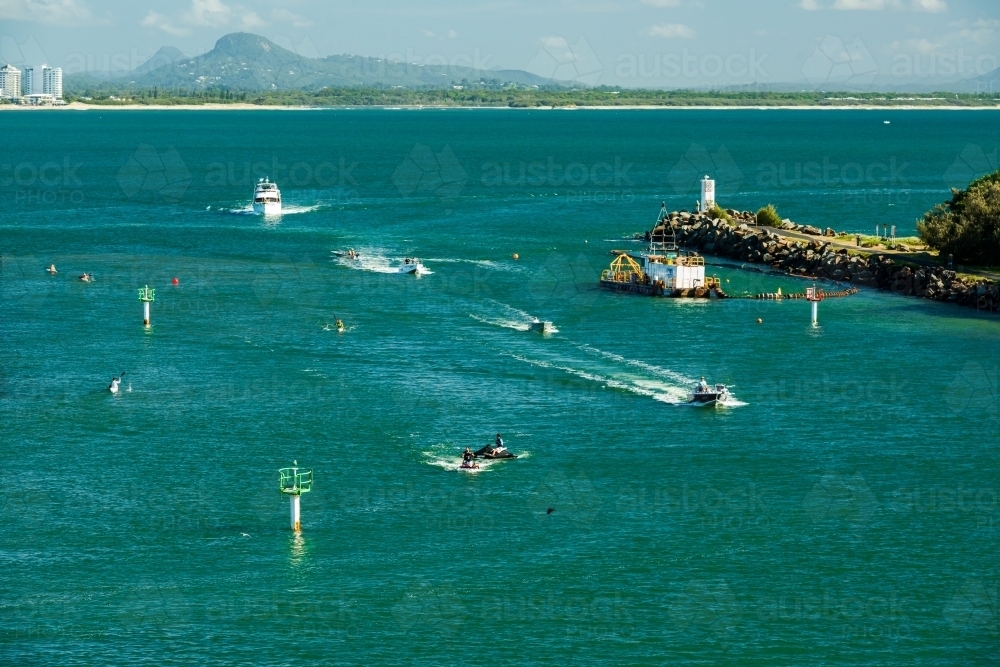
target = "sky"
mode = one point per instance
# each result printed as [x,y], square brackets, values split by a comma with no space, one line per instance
[636,43]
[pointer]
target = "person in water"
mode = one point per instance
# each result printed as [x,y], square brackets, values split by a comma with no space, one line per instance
[52,269]
[113,388]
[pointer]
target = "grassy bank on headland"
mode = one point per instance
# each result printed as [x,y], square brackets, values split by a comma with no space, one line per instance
[524,97]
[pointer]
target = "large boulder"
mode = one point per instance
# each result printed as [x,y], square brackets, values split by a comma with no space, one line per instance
[809,229]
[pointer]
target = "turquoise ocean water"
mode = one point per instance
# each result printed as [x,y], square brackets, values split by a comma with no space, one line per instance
[845,513]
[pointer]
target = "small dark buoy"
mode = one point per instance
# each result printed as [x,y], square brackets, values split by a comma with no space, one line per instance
[550,510]
[175,281]
[760,321]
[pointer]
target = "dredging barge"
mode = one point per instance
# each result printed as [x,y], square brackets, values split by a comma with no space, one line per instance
[663,270]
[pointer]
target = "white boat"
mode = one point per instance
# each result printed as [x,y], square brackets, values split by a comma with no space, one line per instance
[541,326]
[707,396]
[412,265]
[266,198]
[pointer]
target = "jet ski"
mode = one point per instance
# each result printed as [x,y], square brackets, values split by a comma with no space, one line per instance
[469,465]
[491,452]
[350,254]
[115,381]
[706,396]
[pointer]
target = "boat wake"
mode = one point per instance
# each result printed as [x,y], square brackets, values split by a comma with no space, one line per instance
[486,263]
[508,317]
[446,459]
[655,370]
[293,210]
[285,210]
[615,378]
[372,260]
[507,324]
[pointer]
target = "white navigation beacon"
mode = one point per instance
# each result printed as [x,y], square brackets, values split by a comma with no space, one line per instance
[293,482]
[814,295]
[707,193]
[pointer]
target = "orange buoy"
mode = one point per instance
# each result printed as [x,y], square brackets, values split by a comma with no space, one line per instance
[175,281]
[515,255]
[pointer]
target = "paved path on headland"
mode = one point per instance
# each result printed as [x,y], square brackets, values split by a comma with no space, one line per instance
[916,258]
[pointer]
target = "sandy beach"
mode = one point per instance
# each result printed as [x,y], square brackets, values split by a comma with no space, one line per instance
[242,106]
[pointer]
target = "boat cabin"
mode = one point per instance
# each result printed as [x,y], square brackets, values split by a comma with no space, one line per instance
[266,192]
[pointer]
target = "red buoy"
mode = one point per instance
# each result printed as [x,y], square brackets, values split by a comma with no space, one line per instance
[175,281]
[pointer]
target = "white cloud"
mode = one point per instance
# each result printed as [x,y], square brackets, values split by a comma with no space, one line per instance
[285,16]
[672,31]
[427,33]
[251,20]
[161,22]
[452,34]
[57,12]
[809,5]
[932,6]
[865,5]
[207,13]
[661,3]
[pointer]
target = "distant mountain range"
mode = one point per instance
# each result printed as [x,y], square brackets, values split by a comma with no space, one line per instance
[246,62]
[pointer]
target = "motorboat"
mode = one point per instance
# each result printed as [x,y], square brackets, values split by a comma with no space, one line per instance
[412,265]
[709,396]
[349,254]
[266,198]
[491,452]
[541,326]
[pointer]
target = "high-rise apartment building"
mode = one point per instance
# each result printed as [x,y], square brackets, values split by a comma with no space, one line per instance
[10,82]
[52,81]
[28,81]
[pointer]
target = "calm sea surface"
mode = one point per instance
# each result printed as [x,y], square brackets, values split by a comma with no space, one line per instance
[845,513]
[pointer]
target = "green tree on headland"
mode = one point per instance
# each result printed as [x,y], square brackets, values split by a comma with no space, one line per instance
[768,215]
[968,226]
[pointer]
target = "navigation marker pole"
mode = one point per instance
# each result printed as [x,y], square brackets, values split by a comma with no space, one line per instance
[814,296]
[294,482]
[146,295]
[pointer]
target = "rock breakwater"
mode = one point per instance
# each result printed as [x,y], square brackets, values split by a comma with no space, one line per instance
[741,239]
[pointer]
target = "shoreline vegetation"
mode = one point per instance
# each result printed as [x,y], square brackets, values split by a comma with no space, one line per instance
[966,229]
[515,98]
[742,237]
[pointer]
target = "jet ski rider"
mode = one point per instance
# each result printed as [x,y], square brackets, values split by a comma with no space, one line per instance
[467,455]
[498,445]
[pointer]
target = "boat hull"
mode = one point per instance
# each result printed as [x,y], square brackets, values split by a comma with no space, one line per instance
[541,327]
[267,208]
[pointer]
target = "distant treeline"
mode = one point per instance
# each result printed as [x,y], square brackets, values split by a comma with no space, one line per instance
[496,94]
